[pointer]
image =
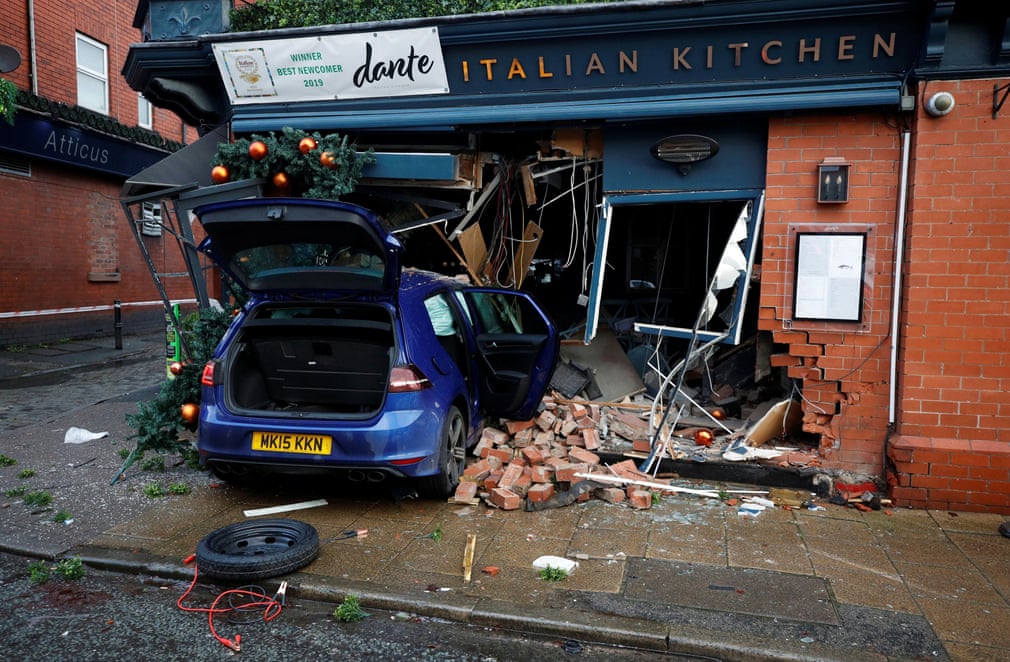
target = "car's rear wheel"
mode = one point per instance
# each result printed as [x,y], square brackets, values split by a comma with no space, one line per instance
[451,458]
[257,549]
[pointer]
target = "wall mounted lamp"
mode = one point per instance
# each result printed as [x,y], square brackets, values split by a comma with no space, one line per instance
[684,150]
[833,180]
[940,104]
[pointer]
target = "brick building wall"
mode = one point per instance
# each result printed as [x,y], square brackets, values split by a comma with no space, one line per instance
[952,447]
[840,368]
[67,234]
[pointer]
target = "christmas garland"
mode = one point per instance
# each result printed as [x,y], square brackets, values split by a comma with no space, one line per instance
[295,163]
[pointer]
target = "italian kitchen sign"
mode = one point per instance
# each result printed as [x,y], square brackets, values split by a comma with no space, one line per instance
[347,66]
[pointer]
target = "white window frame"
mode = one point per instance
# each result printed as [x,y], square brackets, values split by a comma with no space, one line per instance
[150,221]
[90,73]
[145,112]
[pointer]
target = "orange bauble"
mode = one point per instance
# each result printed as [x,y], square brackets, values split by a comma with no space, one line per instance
[306,145]
[327,160]
[190,412]
[257,150]
[280,180]
[703,437]
[219,174]
[175,368]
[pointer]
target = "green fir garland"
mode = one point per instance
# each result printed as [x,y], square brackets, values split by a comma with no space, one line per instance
[328,169]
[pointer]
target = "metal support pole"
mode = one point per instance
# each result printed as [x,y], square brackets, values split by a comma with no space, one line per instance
[118,323]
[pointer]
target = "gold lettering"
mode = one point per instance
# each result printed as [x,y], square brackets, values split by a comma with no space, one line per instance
[737,48]
[516,69]
[595,64]
[543,72]
[845,47]
[766,56]
[879,43]
[466,71]
[568,64]
[631,62]
[679,58]
[487,65]
[708,56]
[814,50]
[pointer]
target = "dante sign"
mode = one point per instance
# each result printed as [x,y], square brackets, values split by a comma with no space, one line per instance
[348,66]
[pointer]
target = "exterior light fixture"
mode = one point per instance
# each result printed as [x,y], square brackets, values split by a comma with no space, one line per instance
[833,181]
[940,104]
[685,150]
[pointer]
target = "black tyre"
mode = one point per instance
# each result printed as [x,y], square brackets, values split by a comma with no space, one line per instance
[451,458]
[257,549]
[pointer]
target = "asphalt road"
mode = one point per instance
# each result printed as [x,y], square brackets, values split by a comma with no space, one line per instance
[107,616]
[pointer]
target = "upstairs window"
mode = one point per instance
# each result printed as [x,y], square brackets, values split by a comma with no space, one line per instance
[92,74]
[144,113]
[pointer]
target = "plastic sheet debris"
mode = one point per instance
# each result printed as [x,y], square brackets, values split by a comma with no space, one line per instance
[81,436]
[543,562]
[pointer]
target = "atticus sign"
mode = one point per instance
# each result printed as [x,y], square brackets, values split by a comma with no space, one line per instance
[77,147]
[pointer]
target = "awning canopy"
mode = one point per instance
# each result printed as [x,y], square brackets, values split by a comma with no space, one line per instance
[188,168]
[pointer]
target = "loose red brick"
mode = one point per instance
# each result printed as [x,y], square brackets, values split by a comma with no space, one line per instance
[466,490]
[495,436]
[477,471]
[492,479]
[516,426]
[576,454]
[641,499]
[610,494]
[503,454]
[522,484]
[540,492]
[569,426]
[641,446]
[591,439]
[523,438]
[533,455]
[578,410]
[510,476]
[505,499]
[566,472]
[542,473]
[543,438]
[546,420]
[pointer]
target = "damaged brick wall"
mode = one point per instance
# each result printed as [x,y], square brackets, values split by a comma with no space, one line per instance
[952,444]
[840,368]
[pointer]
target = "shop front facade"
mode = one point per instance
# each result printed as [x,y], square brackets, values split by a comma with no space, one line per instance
[820,189]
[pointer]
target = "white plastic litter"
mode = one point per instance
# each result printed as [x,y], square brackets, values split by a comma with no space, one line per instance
[568,565]
[81,436]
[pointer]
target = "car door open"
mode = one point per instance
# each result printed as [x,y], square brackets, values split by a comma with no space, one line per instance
[517,346]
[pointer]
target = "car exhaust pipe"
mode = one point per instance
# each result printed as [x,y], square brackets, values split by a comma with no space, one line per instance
[376,476]
[238,470]
[355,476]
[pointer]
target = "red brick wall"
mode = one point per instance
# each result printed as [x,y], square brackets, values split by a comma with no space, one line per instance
[952,448]
[841,368]
[62,223]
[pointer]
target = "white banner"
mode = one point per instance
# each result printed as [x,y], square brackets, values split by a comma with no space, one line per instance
[347,66]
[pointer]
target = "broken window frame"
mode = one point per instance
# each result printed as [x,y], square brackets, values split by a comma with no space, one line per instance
[753,197]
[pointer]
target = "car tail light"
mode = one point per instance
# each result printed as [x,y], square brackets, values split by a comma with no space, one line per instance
[407,378]
[207,377]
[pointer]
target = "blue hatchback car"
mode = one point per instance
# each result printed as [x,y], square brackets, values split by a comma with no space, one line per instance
[343,362]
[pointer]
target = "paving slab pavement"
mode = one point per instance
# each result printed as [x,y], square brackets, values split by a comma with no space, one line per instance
[689,575]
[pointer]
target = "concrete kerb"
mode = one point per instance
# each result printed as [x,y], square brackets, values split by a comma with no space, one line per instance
[586,628]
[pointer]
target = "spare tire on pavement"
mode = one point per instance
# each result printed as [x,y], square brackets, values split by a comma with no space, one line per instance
[257,549]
